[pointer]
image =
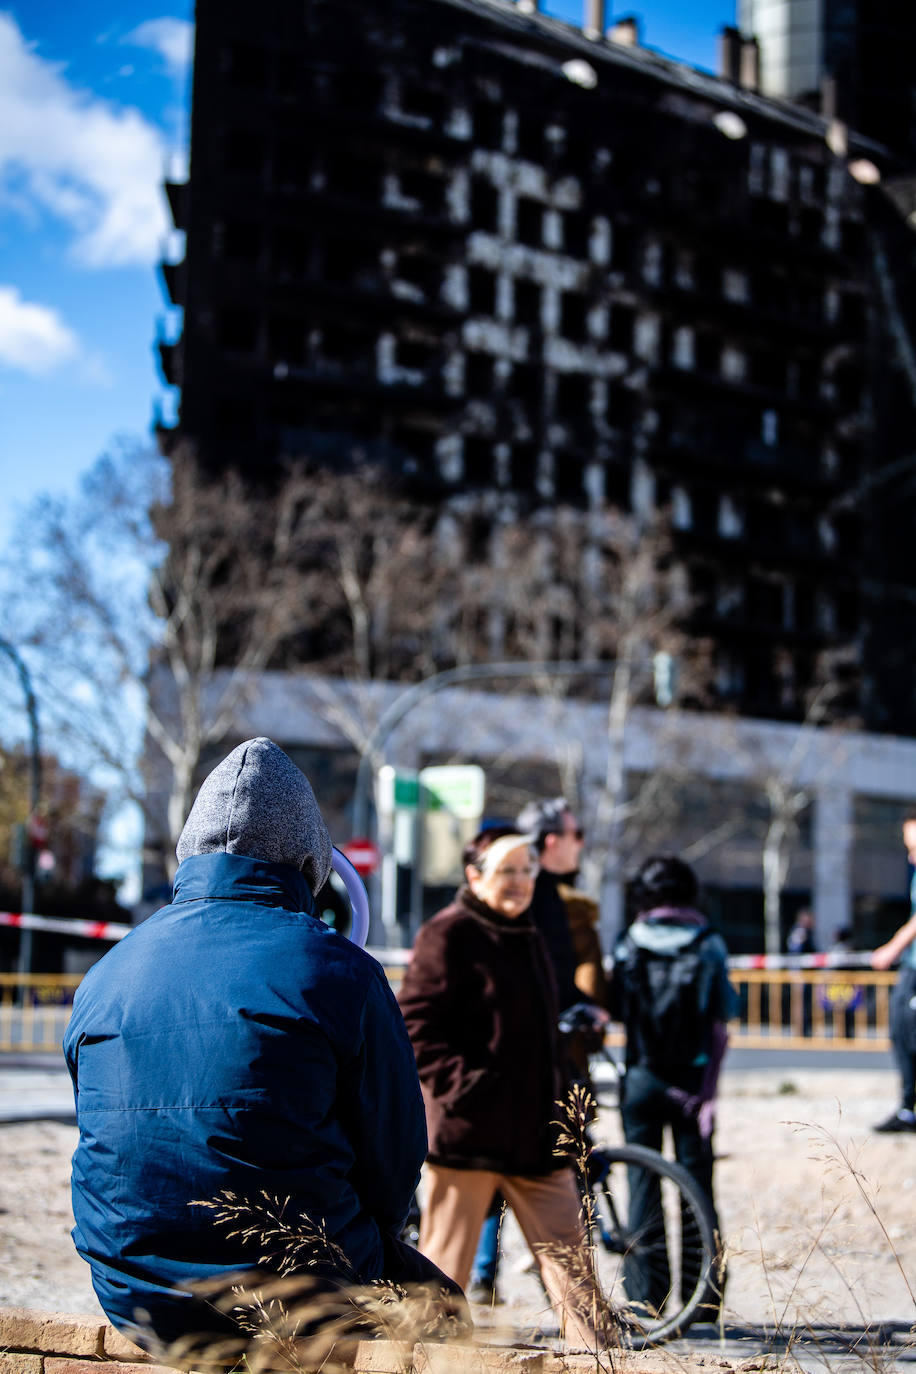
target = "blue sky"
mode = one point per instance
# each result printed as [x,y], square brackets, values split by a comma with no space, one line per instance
[93,113]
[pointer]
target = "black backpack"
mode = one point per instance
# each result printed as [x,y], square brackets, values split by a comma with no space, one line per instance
[665,1001]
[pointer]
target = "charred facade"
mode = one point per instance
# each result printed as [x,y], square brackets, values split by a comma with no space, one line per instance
[528,266]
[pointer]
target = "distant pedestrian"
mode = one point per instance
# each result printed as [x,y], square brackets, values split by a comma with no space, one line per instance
[670,989]
[801,941]
[902,946]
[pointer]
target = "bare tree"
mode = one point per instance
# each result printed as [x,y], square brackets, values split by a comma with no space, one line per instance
[129,597]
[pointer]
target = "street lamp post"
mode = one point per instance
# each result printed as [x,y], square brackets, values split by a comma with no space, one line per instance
[372,756]
[27,899]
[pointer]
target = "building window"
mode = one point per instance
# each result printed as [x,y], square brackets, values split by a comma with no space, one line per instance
[481,291]
[527,309]
[574,397]
[573,316]
[577,230]
[479,376]
[478,462]
[529,223]
[623,326]
[488,124]
[484,205]
[238,329]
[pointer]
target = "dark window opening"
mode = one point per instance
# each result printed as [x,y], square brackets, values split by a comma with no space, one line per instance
[623,327]
[574,394]
[617,486]
[623,247]
[478,462]
[523,467]
[567,479]
[238,329]
[244,151]
[852,238]
[285,339]
[348,261]
[621,406]
[488,124]
[479,377]
[356,92]
[289,252]
[765,603]
[704,510]
[292,164]
[242,240]
[247,65]
[353,178]
[421,186]
[530,138]
[772,216]
[347,345]
[419,99]
[810,225]
[527,385]
[577,229]
[529,228]
[573,316]
[484,205]
[852,313]
[527,303]
[417,353]
[481,291]
[848,382]
[423,272]
[768,370]
[707,351]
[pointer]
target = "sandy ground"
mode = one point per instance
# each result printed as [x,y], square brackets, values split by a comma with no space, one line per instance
[818,1211]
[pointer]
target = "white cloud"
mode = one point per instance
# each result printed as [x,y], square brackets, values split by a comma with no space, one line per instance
[172,39]
[91,164]
[33,338]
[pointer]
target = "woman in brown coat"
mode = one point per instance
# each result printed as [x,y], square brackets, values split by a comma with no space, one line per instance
[479,1001]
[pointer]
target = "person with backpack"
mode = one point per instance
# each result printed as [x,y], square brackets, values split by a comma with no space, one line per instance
[671,991]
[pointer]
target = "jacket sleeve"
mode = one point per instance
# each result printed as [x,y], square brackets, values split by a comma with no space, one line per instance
[429,999]
[387,1120]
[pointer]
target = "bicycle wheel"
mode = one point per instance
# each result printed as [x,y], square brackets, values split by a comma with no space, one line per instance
[653,1238]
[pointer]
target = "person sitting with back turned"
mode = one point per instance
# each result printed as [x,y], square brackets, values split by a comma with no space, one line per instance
[233,1043]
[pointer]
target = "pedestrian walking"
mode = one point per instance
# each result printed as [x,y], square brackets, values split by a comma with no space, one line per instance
[902,946]
[479,999]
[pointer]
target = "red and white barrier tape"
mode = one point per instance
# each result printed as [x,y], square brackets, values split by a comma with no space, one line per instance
[114,930]
[93,930]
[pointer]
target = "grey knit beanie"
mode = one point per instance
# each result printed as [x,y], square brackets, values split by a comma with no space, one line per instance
[257,802]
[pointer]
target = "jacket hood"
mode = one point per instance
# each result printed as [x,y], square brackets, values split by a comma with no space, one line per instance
[258,803]
[667,930]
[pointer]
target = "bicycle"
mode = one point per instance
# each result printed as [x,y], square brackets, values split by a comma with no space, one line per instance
[658,1277]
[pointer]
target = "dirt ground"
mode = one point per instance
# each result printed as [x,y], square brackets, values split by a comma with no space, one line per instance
[817,1210]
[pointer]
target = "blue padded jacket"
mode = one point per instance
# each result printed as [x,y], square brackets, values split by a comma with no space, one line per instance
[232,1041]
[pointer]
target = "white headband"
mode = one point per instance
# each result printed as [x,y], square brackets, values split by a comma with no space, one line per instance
[494,854]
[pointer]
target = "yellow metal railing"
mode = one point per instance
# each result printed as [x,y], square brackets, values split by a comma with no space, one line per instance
[34,1010]
[814,1009]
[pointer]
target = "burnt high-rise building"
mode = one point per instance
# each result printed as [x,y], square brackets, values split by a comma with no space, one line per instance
[539,266]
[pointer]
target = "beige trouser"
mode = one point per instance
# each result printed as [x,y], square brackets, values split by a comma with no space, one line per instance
[548,1213]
